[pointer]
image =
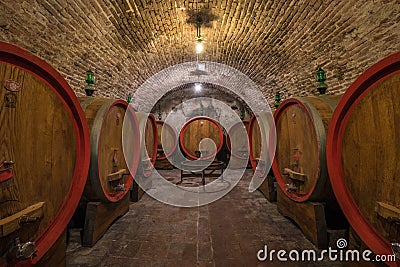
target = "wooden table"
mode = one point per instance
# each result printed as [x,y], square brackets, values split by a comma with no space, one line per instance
[196,168]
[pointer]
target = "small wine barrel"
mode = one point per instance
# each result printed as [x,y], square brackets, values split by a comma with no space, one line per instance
[148,143]
[197,129]
[300,160]
[44,156]
[363,155]
[167,140]
[109,177]
[260,158]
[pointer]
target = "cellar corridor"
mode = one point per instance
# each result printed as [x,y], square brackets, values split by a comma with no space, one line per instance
[228,232]
[99,98]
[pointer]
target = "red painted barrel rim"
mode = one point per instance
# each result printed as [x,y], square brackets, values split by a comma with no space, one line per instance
[250,134]
[147,173]
[220,133]
[361,86]
[129,181]
[172,130]
[23,59]
[228,140]
[275,167]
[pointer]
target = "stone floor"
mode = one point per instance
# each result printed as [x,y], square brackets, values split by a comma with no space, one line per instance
[228,232]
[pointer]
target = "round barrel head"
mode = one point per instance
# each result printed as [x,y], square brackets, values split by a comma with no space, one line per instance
[363,155]
[45,152]
[195,131]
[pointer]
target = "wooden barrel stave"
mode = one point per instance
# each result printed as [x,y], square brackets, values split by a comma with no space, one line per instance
[261,143]
[167,139]
[148,143]
[239,158]
[197,129]
[255,142]
[48,141]
[105,119]
[363,155]
[243,144]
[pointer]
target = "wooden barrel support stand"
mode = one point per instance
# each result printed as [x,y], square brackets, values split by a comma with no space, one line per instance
[106,195]
[43,162]
[305,193]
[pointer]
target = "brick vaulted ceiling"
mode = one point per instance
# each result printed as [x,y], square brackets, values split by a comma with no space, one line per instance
[278,44]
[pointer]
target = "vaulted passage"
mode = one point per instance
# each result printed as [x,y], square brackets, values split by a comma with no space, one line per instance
[199,133]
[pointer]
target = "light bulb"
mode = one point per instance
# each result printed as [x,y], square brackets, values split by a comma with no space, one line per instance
[197,87]
[199,48]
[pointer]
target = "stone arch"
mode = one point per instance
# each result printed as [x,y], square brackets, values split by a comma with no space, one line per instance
[147,95]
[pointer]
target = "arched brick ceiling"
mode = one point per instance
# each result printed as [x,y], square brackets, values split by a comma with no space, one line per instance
[278,44]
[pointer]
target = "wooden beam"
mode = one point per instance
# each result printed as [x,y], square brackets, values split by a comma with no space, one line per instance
[387,211]
[116,175]
[295,175]
[12,223]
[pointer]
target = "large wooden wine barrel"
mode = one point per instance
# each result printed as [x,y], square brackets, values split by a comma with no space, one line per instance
[167,140]
[109,177]
[243,145]
[363,155]
[260,156]
[300,160]
[239,157]
[197,129]
[44,155]
[148,143]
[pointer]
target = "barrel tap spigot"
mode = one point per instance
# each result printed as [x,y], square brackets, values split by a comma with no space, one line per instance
[291,187]
[26,250]
[120,188]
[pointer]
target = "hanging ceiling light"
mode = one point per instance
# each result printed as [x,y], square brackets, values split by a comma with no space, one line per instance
[199,39]
[199,47]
